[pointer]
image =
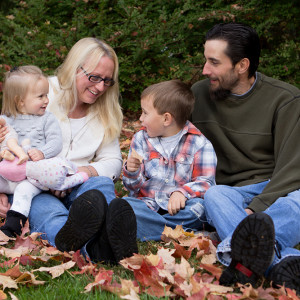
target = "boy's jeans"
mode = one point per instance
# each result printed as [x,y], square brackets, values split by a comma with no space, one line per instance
[48,214]
[225,208]
[151,224]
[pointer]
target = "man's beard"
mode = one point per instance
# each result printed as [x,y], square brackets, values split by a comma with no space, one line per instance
[219,94]
[225,87]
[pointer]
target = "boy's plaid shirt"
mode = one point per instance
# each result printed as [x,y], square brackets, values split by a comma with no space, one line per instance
[190,168]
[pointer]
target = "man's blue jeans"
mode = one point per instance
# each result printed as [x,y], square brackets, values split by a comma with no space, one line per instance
[151,224]
[225,209]
[49,214]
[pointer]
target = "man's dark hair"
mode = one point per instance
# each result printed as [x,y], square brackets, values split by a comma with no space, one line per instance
[243,42]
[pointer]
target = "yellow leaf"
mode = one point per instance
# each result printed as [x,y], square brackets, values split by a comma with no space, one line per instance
[153,259]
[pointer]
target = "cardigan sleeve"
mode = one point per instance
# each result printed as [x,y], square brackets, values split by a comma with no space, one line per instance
[53,136]
[108,160]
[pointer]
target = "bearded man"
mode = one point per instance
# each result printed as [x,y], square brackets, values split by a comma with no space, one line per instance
[253,123]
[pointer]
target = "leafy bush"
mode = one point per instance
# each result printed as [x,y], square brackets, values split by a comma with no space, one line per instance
[154,40]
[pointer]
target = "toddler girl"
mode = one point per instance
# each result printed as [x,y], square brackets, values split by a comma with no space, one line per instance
[24,109]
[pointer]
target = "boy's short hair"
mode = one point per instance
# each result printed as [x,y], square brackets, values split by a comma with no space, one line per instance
[16,86]
[174,97]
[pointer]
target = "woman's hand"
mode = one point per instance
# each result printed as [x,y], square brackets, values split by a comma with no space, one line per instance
[3,131]
[4,205]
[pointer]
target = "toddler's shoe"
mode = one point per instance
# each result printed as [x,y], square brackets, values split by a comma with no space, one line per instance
[13,224]
[117,238]
[287,273]
[252,250]
[86,217]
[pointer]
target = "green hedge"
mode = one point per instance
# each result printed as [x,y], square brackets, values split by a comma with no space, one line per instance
[154,40]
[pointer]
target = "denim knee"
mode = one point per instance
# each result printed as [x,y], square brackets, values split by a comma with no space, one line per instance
[212,195]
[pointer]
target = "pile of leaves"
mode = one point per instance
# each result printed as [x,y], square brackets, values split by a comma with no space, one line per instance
[184,266]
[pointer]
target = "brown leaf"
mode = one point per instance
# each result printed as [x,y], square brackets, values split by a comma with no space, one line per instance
[8,263]
[168,259]
[13,272]
[4,238]
[128,287]
[133,262]
[25,242]
[171,233]
[180,251]
[12,253]
[3,296]
[103,279]
[57,270]
[28,277]
[216,271]
[184,269]
[131,296]
[8,282]
[209,259]
[125,144]
[80,261]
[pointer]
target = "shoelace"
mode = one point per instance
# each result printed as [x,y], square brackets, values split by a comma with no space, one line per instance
[277,249]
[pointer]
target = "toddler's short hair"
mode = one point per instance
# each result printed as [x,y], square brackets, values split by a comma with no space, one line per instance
[16,85]
[174,97]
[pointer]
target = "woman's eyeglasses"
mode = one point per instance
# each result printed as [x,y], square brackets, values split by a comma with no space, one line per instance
[96,78]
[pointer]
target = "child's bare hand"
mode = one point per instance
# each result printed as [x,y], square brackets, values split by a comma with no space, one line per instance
[35,154]
[176,203]
[133,164]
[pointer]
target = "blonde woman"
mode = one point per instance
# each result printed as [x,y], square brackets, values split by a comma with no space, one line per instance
[84,96]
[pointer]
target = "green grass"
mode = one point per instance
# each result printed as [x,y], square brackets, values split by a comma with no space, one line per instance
[69,286]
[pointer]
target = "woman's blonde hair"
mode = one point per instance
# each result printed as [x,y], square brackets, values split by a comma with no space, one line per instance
[87,52]
[16,86]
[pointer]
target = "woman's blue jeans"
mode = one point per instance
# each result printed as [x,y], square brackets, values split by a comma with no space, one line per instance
[225,209]
[151,224]
[48,214]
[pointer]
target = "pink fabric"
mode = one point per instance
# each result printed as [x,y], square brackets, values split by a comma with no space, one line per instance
[53,173]
[10,170]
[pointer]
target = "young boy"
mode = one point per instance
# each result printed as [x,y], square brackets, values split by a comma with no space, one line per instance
[170,165]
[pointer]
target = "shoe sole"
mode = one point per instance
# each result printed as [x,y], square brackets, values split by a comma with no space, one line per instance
[287,273]
[121,229]
[85,219]
[252,249]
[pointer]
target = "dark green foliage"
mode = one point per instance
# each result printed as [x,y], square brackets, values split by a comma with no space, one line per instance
[154,40]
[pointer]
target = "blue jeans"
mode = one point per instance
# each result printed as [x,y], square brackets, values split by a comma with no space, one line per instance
[151,224]
[48,214]
[225,209]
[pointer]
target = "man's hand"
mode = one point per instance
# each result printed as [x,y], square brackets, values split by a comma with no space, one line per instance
[176,203]
[35,154]
[133,164]
[4,205]
[61,194]
[249,211]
